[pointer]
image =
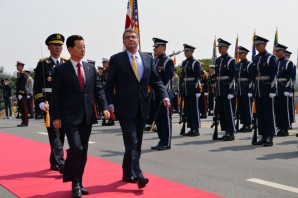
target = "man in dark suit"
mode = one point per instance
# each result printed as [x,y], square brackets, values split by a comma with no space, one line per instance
[130,74]
[75,85]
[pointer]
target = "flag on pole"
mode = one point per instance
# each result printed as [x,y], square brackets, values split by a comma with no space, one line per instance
[132,17]
[275,39]
[128,18]
[253,50]
[214,56]
[175,61]
[236,51]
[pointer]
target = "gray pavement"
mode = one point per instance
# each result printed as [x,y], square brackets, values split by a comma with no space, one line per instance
[223,168]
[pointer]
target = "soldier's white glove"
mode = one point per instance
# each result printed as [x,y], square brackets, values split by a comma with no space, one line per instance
[205,94]
[291,94]
[272,95]
[111,108]
[20,97]
[249,95]
[287,93]
[10,98]
[198,95]
[43,106]
[28,97]
[230,96]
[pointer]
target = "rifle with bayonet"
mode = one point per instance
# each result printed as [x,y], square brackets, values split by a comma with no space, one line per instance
[215,120]
[175,53]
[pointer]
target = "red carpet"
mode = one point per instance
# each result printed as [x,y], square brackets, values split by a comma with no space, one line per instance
[25,172]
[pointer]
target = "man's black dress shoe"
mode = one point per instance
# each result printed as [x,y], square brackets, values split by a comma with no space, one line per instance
[128,179]
[22,125]
[61,169]
[229,137]
[84,191]
[142,182]
[161,148]
[260,142]
[268,142]
[54,167]
[155,147]
[76,191]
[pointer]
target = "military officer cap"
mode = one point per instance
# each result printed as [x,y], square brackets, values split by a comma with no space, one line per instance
[158,41]
[278,46]
[223,43]
[27,71]
[287,53]
[211,66]
[242,50]
[260,40]
[20,63]
[91,61]
[55,39]
[188,47]
[105,60]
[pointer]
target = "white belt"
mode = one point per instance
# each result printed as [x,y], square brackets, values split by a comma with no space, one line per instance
[281,79]
[243,79]
[223,77]
[189,79]
[263,78]
[48,90]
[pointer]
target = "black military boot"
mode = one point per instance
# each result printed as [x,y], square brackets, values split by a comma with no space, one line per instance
[195,132]
[260,142]
[269,141]
[188,133]
[229,137]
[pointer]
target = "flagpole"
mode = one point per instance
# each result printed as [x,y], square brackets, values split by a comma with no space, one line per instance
[139,25]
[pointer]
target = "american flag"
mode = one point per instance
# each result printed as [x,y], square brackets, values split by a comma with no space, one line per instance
[132,17]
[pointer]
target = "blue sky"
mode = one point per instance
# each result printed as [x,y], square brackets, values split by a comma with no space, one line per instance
[26,24]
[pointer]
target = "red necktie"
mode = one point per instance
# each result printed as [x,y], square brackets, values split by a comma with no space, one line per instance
[81,76]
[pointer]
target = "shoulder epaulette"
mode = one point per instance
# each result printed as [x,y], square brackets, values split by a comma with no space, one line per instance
[44,59]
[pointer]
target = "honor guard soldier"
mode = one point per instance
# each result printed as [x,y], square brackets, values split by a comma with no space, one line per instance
[43,93]
[244,85]
[225,75]
[291,97]
[21,94]
[165,69]
[190,90]
[105,64]
[284,89]
[29,91]
[265,70]
[211,89]
[204,90]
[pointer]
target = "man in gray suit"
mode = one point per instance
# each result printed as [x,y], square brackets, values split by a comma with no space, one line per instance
[130,74]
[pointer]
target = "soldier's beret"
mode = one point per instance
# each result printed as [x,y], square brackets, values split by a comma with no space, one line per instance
[242,50]
[278,46]
[222,43]
[287,53]
[158,41]
[105,60]
[188,47]
[20,63]
[260,40]
[55,39]
[91,61]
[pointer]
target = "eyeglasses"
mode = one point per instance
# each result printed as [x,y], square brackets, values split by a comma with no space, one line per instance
[131,36]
